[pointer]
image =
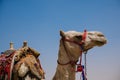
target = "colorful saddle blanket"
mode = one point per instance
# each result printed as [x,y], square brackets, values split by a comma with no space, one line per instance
[5,64]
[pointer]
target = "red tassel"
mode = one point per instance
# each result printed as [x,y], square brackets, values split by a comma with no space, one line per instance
[79,68]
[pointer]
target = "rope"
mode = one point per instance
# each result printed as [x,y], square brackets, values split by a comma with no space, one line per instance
[85,57]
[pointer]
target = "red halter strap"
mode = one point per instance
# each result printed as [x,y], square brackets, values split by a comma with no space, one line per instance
[84,35]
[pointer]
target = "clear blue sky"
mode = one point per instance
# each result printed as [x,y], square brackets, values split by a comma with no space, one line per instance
[39,22]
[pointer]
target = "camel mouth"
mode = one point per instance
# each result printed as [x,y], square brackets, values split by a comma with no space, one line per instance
[30,76]
[101,43]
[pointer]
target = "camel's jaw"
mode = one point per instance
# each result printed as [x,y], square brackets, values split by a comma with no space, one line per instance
[94,43]
[100,43]
[95,38]
[97,43]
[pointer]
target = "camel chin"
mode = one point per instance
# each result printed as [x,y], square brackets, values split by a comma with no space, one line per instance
[100,43]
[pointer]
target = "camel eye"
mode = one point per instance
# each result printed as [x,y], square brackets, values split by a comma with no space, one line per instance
[79,37]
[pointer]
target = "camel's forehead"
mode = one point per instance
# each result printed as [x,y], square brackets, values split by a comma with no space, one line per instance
[95,32]
[75,33]
[72,33]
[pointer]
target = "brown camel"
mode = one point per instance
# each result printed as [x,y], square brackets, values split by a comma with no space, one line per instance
[21,64]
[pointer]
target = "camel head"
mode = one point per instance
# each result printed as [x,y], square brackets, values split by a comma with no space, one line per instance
[93,38]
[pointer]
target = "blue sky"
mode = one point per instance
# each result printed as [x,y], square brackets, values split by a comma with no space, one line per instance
[39,21]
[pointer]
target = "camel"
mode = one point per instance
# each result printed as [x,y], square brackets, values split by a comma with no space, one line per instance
[72,44]
[24,64]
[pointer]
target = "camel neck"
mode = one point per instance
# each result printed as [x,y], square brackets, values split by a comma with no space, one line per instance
[64,72]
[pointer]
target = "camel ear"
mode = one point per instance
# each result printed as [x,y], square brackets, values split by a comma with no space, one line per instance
[62,34]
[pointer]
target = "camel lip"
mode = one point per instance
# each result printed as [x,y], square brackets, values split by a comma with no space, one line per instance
[33,76]
[100,43]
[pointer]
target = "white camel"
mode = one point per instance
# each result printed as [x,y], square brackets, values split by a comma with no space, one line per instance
[70,46]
